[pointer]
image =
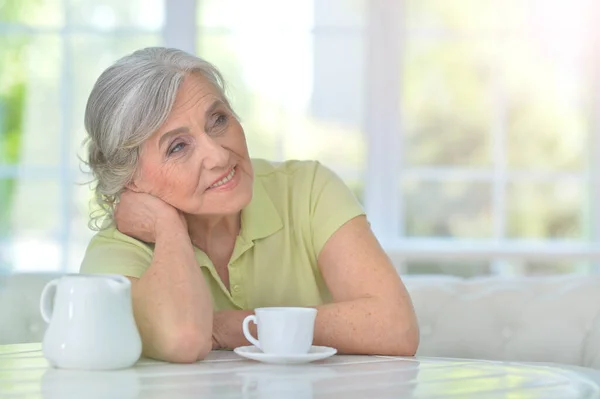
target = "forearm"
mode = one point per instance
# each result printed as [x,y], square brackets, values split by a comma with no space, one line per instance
[367,326]
[361,326]
[172,304]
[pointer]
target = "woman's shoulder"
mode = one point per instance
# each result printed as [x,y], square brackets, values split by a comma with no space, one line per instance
[111,251]
[293,172]
[110,237]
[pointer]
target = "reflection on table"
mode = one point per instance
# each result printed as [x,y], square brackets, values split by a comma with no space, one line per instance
[25,373]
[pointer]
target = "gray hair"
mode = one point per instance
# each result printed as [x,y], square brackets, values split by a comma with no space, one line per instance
[129,102]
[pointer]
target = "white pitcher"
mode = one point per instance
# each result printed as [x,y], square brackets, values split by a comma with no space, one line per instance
[91,322]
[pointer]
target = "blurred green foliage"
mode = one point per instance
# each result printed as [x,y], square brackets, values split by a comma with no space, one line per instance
[12,100]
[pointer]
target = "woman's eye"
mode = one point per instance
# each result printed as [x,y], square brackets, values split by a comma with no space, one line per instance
[221,119]
[176,148]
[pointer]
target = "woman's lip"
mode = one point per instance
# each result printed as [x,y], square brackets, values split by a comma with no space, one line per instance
[221,177]
[230,185]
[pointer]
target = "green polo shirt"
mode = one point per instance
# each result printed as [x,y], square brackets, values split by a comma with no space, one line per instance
[296,206]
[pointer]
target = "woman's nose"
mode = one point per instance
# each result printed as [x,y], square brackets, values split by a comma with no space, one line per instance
[214,154]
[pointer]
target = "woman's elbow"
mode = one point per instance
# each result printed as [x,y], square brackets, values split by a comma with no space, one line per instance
[412,339]
[404,343]
[185,346]
[405,337]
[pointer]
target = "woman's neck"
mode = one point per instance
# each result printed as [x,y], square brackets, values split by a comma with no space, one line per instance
[214,233]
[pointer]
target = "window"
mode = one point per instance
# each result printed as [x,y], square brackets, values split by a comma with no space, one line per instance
[498,107]
[51,52]
[468,128]
[297,76]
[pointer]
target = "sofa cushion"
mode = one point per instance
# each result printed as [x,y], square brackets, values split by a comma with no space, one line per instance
[544,319]
[541,319]
[591,346]
[20,318]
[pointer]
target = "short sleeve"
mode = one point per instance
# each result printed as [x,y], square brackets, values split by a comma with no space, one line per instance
[111,252]
[332,205]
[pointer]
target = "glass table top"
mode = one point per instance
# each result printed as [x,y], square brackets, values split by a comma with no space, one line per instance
[24,373]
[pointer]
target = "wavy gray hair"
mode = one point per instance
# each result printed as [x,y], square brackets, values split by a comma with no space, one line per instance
[129,102]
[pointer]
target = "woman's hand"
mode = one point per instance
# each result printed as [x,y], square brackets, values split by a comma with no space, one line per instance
[139,215]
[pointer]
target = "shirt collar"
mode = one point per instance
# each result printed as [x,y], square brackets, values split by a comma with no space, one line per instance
[260,217]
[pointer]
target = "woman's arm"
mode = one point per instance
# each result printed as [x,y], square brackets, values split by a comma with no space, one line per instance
[372,312]
[171,301]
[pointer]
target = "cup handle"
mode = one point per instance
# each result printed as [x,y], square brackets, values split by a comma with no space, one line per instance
[246,330]
[47,299]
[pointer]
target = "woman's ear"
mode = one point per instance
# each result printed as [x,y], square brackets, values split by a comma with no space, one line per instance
[133,183]
[133,187]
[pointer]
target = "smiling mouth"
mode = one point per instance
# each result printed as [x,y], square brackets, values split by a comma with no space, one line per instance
[224,180]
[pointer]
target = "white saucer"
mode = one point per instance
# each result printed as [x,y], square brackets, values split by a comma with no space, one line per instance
[315,353]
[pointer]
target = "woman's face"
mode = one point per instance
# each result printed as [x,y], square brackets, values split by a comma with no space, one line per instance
[198,160]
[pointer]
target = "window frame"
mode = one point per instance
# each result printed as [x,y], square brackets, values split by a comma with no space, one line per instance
[386,36]
[385,33]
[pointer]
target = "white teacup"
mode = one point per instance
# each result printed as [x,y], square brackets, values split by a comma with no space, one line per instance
[282,331]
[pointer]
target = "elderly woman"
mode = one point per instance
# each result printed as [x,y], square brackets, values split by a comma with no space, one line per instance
[206,234]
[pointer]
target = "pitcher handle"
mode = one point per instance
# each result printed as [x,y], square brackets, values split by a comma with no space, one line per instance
[47,300]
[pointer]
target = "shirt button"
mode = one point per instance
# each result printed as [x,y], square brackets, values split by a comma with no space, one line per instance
[236,288]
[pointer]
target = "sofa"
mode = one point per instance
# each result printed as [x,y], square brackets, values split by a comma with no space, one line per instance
[531,319]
